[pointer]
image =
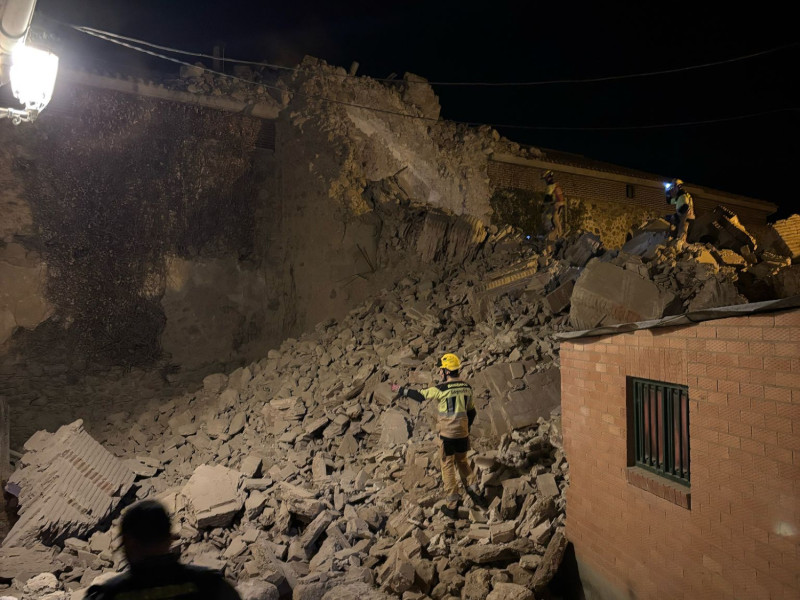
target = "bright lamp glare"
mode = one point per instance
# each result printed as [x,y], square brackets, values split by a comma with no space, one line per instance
[33,75]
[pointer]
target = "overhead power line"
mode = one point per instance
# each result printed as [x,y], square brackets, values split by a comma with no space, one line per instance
[92,30]
[126,44]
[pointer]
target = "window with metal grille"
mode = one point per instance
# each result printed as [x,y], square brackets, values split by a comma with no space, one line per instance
[658,413]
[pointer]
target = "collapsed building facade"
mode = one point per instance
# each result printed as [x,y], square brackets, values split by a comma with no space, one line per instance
[221,300]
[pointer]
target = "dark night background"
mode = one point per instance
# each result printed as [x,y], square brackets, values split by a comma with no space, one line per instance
[523,41]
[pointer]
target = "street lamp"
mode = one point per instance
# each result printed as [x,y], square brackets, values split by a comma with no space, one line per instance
[32,71]
[33,75]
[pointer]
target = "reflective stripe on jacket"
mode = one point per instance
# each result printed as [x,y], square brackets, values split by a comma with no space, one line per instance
[684,205]
[454,400]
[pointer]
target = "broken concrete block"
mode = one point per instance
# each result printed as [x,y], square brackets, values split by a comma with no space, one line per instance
[355,591]
[397,574]
[319,468]
[729,258]
[477,584]
[579,253]
[607,295]
[214,495]
[235,548]
[550,561]
[254,589]
[541,533]
[510,591]
[503,532]
[481,555]
[521,576]
[558,300]
[715,293]
[347,447]
[383,394]
[41,584]
[315,529]
[547,486]
[238,422]
[254,505]
[251,466]
[316,426]
[394,428]
[67,486]
[644,243]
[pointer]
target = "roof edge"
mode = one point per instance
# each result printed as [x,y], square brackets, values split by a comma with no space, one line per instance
[698,316]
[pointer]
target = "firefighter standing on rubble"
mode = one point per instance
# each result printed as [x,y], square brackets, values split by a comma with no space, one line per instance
[554,197]
[456,410]
[684,210]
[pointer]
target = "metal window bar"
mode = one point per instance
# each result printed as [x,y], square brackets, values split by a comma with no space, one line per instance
[661,428]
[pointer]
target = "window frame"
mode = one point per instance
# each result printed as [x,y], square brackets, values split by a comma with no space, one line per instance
[657,450]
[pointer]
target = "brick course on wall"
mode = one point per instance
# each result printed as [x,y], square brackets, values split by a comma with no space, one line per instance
[739,538]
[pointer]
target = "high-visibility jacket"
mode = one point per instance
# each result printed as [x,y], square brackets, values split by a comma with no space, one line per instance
[554,195]
[684,205]
[455,405]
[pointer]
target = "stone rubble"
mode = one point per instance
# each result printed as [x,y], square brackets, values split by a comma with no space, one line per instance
[303,471]
[302,476]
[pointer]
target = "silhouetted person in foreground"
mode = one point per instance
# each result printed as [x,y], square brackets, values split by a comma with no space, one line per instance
[155,572]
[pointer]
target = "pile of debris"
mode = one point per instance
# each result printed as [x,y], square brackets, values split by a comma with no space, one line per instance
[301,475]
[303,470]
[649,277]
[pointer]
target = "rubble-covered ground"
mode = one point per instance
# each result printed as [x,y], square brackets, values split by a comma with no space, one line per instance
[302,476]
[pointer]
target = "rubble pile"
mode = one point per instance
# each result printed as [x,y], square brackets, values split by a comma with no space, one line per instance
[649,277]
[383,130]
[302,471]
[247,84]
[302,475]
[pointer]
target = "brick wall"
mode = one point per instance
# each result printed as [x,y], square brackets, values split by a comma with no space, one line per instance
[588,189]
[739,538]
[597,189]
[788,232]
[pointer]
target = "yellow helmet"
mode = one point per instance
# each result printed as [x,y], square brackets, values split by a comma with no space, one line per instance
[449,362]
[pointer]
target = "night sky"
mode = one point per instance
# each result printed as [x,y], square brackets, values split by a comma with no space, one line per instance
[524,41]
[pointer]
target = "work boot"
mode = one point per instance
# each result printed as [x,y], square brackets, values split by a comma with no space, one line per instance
[478,498]
[450,506]
[450,513]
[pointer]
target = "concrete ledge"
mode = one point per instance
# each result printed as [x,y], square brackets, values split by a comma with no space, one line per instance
[261,110]
[661,487]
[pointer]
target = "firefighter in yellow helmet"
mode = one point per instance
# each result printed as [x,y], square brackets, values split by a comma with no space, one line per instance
[554,196]
[684,210]
[456,413]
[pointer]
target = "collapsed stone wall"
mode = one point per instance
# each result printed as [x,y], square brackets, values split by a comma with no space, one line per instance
[612,222]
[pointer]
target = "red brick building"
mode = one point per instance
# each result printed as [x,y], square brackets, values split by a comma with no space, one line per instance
[684,448]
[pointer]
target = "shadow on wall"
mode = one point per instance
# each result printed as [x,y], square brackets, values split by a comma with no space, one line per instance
[567,585]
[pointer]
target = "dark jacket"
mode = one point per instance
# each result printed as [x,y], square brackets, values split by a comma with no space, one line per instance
[164,578]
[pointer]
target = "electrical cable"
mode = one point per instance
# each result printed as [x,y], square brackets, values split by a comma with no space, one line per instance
[92,30]
[432,119]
